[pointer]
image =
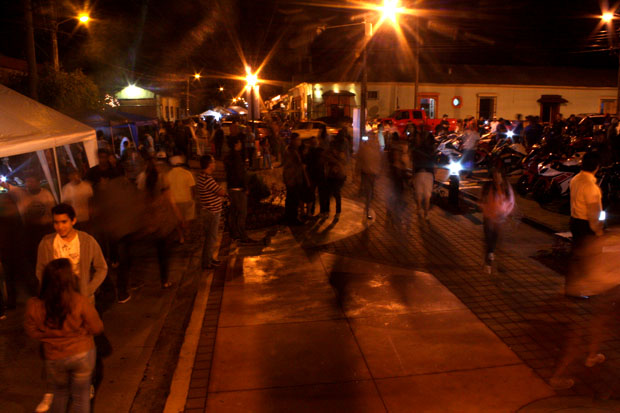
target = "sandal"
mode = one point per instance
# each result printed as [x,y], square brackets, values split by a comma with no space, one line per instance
[592,361]
[166,285]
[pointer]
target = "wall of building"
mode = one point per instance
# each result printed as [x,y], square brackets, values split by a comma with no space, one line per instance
[169,108]
[510,99]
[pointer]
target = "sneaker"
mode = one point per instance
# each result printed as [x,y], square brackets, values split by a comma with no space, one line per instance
[216,262]
[45,403]
[592,361]
[488,269]
[561,383]
[369,217]
[123,300]
[490,257]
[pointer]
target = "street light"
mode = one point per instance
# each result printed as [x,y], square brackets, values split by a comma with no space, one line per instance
[83,18]
[196,76]
[608,18]
[251,82]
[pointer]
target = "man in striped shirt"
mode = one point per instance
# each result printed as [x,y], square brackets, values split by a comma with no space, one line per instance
[210,196]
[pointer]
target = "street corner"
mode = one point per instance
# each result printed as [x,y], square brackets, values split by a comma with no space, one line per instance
[571,404]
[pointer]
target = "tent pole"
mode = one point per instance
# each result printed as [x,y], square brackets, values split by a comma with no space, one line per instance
[57,174]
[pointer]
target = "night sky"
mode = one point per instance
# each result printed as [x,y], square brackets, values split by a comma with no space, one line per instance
[149,40]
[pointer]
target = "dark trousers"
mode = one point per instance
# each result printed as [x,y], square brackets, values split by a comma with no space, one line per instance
[237,214]
[291,204]
[124,252]
[335,185]
[491,235]
[324,197]
[580,229]
[368,188]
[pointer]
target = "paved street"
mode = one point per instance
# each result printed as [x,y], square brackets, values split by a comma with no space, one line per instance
[362,316]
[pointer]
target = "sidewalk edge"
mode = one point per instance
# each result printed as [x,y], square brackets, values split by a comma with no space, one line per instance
[179,387]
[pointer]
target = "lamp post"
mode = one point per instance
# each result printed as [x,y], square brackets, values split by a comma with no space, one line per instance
[608,18]
[251,83]
[196,76]
[82,18]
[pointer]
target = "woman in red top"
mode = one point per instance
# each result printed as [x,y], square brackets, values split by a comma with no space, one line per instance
[65,322]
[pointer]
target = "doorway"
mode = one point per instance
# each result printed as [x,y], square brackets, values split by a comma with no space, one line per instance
[429,103]
[486,107]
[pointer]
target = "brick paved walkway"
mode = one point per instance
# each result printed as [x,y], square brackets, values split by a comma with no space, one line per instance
[524,305]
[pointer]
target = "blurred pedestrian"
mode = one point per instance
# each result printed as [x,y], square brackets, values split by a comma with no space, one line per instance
[424,174]
[470,143]
[398,159]
[79,194]
[34,204]
[293,177]
[497,202]
[335,159]
[218,140]
[210,196]
[237,185]
[316,173]
[369,165]
[65,322]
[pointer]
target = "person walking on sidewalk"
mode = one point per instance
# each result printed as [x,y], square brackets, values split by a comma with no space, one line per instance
[470,143]
[182,185]
[424,174]
[497,202]
[65,322]
[210,196]
[293,177]
[237,182]
[335,174]
[369,165]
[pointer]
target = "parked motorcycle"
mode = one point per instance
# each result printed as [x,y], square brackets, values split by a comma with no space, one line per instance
[554,178]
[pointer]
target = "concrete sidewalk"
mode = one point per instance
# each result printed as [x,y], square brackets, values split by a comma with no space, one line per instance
[315,331]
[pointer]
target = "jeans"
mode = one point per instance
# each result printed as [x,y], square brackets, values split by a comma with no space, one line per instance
[210,222]
[368,188]
[237,214]
[71,375]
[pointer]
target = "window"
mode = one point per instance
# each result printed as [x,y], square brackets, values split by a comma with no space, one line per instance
[373,94]
[486,107]
[608,106]
[429,105]
[403,114]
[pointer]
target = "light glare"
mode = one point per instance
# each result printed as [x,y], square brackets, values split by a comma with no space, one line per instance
[84,18]
[390,10]
[607,17]
[455,168]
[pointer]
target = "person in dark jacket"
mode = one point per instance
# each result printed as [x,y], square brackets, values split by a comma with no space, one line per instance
[218,140]
[237,180]
[293,175]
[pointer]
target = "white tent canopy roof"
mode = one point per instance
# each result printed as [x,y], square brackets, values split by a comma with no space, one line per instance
[28,126]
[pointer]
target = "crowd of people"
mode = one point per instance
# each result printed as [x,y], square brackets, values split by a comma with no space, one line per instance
[62,252]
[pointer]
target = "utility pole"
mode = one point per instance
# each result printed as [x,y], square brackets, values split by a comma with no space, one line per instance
[416,22]
[618,94]
[363,101]
[54,34]
[33,76]
[187,100]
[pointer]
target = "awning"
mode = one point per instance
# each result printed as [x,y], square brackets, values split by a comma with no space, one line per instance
[344,93]
[552,99]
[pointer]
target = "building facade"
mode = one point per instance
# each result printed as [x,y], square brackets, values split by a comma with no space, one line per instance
[579,92]
[140,101]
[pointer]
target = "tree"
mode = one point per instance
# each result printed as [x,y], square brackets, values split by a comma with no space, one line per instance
[69,92]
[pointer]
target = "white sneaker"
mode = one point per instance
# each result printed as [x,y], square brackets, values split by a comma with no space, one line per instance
[490,257]
[488,269]
[45,403]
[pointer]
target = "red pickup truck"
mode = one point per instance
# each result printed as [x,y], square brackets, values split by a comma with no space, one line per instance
[403,119]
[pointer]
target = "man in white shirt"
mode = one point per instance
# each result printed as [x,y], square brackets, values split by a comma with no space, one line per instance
[585,201]
[79,194]
[182,184]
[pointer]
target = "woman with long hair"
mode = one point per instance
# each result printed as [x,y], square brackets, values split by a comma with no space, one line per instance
[497,203]
[65,322]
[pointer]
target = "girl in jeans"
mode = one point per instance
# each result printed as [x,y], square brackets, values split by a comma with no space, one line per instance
[65,322]
[497,203]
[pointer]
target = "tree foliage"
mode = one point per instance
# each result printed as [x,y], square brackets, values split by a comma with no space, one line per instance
[69,92]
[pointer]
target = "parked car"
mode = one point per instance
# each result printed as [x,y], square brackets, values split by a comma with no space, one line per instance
[309,129]
[405,119]
[334,124]
[262,129]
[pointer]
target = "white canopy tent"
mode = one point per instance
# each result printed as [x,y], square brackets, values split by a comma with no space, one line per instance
[28,126]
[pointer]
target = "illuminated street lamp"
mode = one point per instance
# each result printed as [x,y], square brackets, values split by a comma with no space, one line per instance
[196,76]
[82,18]
[608,19]
[251,82]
